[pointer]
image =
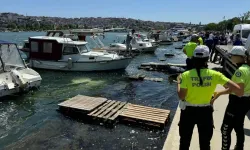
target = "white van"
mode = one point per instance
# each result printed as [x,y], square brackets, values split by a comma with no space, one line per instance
[243,30]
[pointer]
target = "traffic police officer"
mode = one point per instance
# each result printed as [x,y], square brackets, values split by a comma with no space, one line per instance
[189,50]
[237,107]
[195,89]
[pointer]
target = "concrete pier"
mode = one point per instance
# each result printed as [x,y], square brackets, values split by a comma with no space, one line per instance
[172,141]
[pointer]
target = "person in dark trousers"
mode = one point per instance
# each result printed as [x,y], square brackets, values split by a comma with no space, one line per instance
[209,42]
[216,42]
[238,105]
[223,39]
[195,89]
[128,41]
[237,41]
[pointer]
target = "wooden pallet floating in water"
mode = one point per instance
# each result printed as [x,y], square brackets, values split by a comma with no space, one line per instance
[164,67]
[111,111]
[141,77]
[145,115]
[83,103]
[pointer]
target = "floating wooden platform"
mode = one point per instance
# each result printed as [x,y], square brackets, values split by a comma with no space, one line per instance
[164,67]
[83,103]
[143,77]
[162,59]
[162,64]
[179,47]
[145,115]
[111,111]
[169,55]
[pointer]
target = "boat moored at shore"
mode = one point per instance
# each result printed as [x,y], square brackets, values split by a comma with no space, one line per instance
[58,53]
[15,76]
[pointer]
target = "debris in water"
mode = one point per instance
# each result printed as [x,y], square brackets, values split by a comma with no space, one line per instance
[132,132]
[169,55]
[154,138]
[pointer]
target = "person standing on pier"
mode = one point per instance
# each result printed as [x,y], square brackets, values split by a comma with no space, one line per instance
[238,106]
[222,39]
[237,41]
[195,89]
[209,42]
[216,42]
[189,50]
[129,40]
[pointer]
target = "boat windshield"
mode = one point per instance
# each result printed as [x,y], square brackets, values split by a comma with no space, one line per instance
[143,37]
[83,48]
[245,33]
[10,57]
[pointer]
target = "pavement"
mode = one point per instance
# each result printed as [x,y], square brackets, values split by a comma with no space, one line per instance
[172,141]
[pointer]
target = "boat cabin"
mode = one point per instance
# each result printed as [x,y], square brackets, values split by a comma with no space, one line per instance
[53,48]
[62,33]
[10,56]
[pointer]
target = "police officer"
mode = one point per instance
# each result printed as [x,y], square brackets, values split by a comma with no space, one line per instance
[189,50]
[237,107]
[195,89]
[200,40]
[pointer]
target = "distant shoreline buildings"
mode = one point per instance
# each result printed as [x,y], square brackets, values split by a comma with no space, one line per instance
[17,22]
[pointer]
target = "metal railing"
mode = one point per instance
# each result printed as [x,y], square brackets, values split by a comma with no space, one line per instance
[227,64]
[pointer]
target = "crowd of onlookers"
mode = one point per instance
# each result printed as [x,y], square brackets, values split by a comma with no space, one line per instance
[211,39]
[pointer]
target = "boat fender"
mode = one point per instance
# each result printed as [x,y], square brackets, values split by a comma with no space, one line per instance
[18,79]
[70,63]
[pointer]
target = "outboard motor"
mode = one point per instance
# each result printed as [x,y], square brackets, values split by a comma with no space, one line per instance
[18,78]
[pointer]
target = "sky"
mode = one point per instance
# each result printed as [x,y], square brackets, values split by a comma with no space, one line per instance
[194,11]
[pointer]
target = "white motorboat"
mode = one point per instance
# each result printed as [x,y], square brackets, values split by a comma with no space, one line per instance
[60,53]
[175,37]
[15,76]
[165,38]
[119,48]
[162,37]
[142,46]
[138,46]
[146,39]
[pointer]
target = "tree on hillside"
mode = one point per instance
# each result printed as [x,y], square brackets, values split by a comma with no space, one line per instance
[12,25]
[245,17]
[21,26]
[36,26]
[232,22]
[85,26]
[221,26]
[211,27]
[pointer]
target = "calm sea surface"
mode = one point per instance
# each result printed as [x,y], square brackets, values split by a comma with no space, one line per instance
[31,121]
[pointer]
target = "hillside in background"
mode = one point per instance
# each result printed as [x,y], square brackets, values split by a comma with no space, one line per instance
[13,21]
